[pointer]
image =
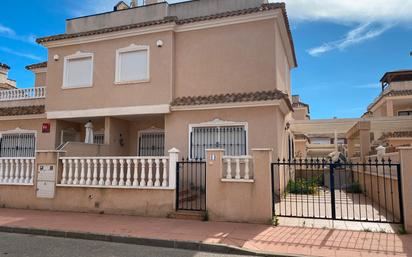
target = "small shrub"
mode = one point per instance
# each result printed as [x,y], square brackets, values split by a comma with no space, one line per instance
[402,231]
[304,186]
[354,188]
[206,216]
[275,221]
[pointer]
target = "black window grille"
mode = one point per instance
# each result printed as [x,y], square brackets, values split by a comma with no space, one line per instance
[152,144]
[18,145]
[230,138]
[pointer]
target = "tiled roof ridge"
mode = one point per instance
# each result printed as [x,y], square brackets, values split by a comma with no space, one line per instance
[398,92]
[232,98]
[22,110]
[36,65]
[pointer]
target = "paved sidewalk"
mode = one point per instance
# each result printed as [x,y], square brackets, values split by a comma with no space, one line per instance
[279,240]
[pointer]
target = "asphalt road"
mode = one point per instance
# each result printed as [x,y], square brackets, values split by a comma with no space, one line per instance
[20,245]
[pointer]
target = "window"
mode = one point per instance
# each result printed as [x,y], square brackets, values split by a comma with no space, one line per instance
[230,138]
[78,70]
[17,145]
[405,113]
[151,143]
[132,64]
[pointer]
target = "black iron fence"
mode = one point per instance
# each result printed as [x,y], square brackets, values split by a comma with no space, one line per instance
[320,189]
[191,185]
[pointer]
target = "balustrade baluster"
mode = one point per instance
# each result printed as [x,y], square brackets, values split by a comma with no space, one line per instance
[95,181]
[228,168]
[101,177]
[128,173]
[237,176]
[82,173]
[150,173]
[28,168]
[247,176]
[121,182]
[157,174]
[114,180]
[6,172]
[108,182]
[32,170]
[1,171]
[64,173]
[70,180]
[76,172]
[143,173]
[22,172]
[12,174]
[165,177]
[135,173]
[89,172]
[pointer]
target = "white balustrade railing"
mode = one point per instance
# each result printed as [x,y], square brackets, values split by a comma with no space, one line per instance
[121,172]
[237,168]
[22,94]
[17,170]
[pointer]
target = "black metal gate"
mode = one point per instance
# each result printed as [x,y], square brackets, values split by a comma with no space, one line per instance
[191,185]
[319,189]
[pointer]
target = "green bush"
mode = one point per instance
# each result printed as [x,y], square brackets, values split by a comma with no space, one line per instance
[354,188]
[304,186]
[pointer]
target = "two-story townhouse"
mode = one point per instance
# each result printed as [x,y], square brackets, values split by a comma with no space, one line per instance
[144,80]
[191,75]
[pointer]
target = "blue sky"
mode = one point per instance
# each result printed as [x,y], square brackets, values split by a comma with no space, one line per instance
[343,47]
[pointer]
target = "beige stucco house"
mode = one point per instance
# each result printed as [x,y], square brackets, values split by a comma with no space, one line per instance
[189,77]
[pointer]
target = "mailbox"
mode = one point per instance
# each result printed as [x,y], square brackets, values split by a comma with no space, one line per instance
[46,181]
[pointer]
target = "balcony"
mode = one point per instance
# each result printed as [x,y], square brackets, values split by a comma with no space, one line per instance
[23,94]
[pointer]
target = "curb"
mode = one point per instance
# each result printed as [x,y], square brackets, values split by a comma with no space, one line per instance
[165,243]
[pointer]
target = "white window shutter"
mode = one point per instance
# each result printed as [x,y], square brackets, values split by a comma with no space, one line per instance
[79,72]
[133,66]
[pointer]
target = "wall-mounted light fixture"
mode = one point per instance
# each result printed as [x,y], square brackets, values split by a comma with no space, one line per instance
[159,43]
[287,126]
[56,57]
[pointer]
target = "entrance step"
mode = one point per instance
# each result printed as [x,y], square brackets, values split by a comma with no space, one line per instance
[188,215]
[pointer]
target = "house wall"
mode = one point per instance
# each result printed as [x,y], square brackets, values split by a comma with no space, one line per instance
[40,79]
[243,57]
[105,93]
[44,141]
[263,126]
[300,114]
[235,58]
[157,203]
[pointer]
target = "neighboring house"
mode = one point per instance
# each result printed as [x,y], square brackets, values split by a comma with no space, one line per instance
[388,122]
[396,96]
[192,75]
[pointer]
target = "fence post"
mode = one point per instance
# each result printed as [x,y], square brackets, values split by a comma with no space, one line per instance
[173,158]
[332,189]
[405,155]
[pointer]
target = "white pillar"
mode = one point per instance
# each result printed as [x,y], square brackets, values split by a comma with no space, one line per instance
[173,158]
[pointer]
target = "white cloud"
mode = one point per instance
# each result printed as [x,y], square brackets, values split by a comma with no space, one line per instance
[20,54]
[368,86]
[355,36]
[368,18]
[7,32]
[349,11]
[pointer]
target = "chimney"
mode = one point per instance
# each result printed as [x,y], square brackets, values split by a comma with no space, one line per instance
[147,2]
[5,82]
[133,3]
[4,69]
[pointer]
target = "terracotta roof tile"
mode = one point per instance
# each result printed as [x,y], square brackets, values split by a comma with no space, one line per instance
[36,66]
[405,92]
[232,98]
[262,8]
[397,134]
[22,110]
